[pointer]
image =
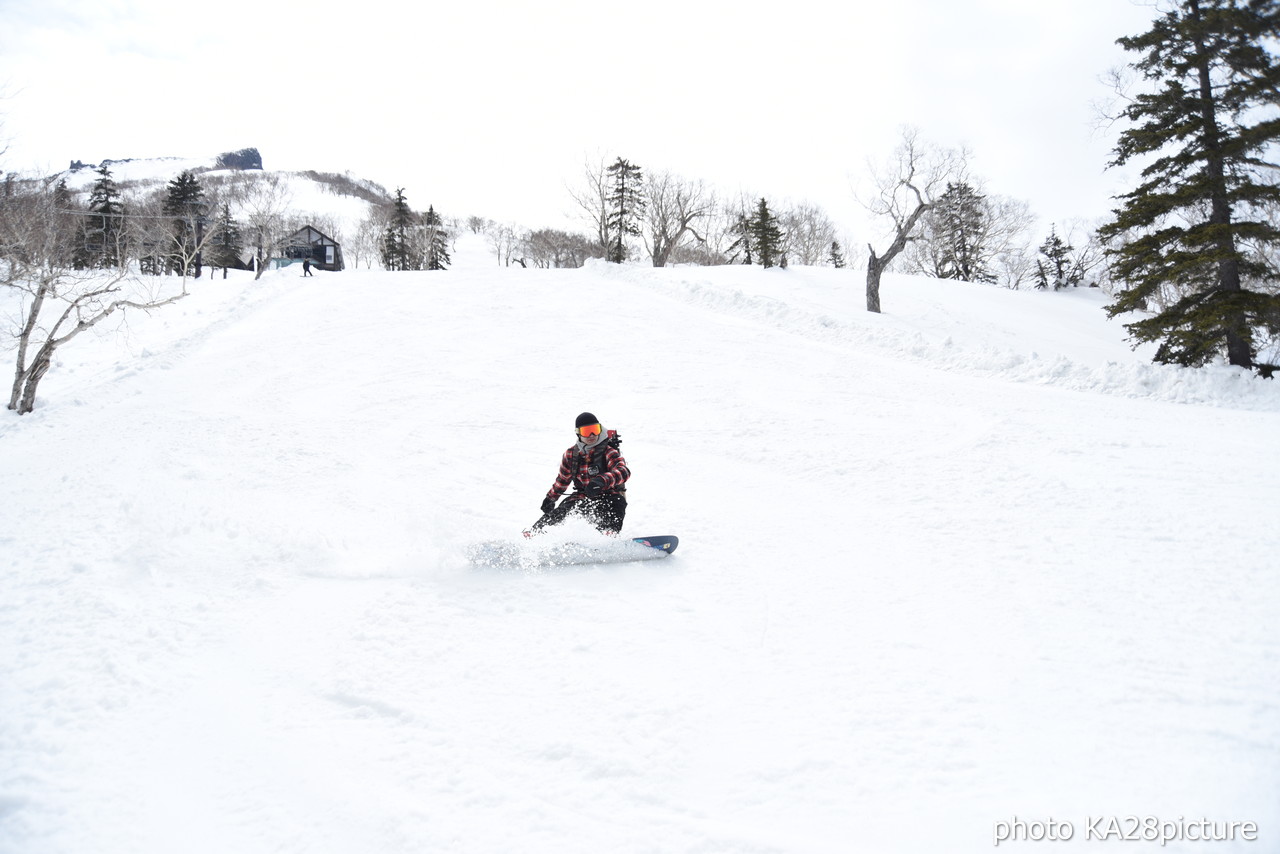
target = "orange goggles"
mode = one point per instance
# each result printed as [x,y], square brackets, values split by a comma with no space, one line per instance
[589,430]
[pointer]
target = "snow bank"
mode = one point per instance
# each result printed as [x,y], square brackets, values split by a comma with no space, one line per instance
[1062,339]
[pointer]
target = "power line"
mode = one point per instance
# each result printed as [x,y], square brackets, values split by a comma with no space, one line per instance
[125,215]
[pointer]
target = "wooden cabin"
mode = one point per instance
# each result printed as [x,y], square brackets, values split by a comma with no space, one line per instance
[309,242]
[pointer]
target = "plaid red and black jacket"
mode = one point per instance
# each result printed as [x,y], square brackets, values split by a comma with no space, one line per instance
[580,463]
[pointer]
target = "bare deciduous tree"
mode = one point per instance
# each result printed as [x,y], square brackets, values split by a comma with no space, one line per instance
[162,248]
[265,203]
[504,240]
[700,254]
[674,206]
[809,234]
[365,244]
[551,248]
[903,192]
[592,197]
[1013,259]
[56,301]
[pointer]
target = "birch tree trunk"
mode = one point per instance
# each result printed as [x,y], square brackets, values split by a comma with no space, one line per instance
[876,264]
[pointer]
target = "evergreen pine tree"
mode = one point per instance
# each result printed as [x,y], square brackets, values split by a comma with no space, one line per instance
[1207,129]
[958,225]
[1054,267]
[184,204]
[437,241]
[228,241]
[61,192]
[626,206]
[399,239]
[104,226]
[743,246]
[837,255]
[71,251]
[766,236]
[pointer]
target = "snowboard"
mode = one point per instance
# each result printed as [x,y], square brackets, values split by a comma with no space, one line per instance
[528,554]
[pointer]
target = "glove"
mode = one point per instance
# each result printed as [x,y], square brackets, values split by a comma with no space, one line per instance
[595,487]
[548,504]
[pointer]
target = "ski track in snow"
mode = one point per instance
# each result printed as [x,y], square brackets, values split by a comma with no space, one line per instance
[926,581]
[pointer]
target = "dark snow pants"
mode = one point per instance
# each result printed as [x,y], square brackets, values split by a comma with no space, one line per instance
[605,512]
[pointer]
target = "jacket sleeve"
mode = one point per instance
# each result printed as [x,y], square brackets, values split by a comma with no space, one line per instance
[615,469]
[564,478]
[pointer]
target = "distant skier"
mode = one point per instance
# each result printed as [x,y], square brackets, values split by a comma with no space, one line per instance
[595,467]
[306,267]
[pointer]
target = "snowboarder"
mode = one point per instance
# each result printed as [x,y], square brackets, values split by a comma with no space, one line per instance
[306,267]
[595,467]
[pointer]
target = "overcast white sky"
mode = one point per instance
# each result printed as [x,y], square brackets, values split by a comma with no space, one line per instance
[489,107]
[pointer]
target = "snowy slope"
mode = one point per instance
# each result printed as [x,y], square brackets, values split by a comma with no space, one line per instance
[304,197]
[927,581]
[156,171]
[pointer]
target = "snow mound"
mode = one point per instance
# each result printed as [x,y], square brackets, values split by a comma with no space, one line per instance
[1062,340]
